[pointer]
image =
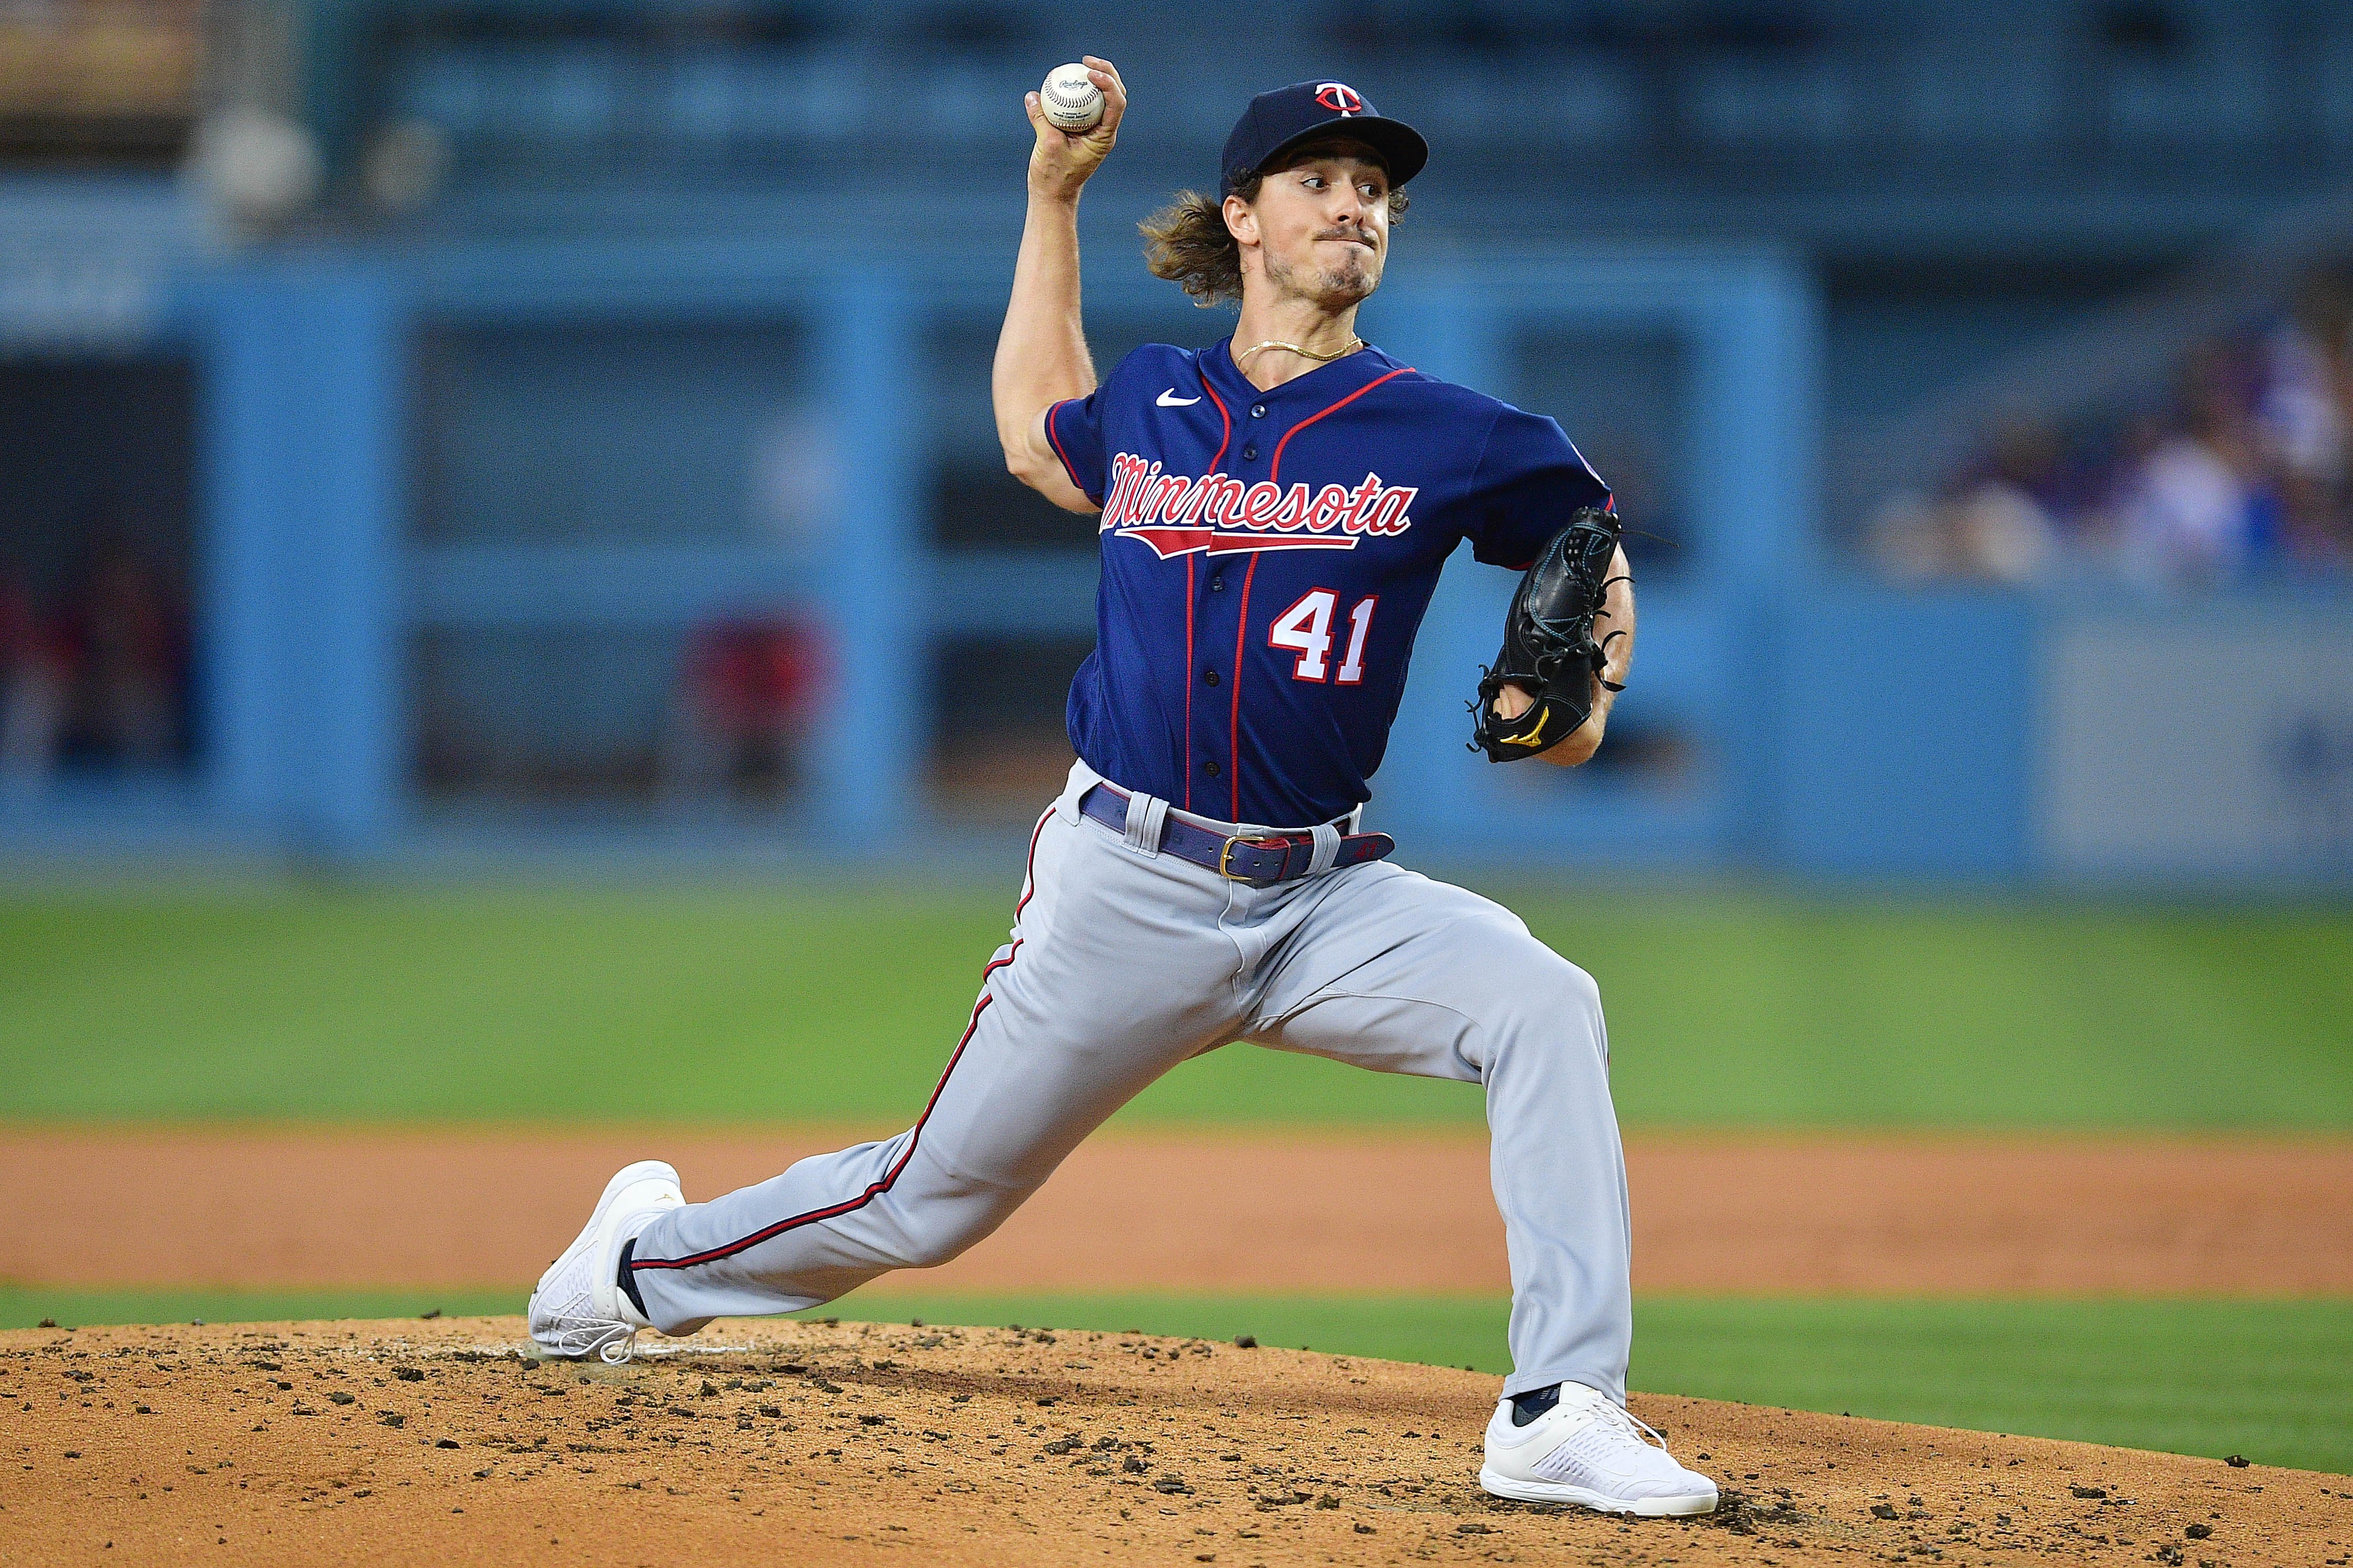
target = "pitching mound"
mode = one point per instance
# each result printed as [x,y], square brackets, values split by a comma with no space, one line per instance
[790,1443]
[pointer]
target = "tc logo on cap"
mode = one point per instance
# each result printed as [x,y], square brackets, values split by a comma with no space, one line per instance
[1340,98]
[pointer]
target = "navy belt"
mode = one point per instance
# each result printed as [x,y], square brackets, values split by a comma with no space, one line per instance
[1259,862]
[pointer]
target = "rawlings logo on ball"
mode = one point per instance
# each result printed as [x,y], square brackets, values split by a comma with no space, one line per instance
[1071,100]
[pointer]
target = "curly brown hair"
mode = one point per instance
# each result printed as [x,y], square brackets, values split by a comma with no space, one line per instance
[1187,243]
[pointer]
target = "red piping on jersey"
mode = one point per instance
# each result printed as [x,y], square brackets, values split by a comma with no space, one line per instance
[1234,733]
[1225,439]
[875,1189]
[1274,475]
[1189,682]
[1224,418]
[1054,436]
[1274,470]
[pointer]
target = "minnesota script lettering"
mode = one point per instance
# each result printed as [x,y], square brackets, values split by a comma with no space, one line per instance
[1176,514]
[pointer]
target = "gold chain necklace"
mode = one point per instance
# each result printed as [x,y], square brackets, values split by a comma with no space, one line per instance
[1354,344]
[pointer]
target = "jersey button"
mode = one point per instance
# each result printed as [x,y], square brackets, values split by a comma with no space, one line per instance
[1217,585]
[1250,451]
[1211,769]
[1258,411]
[1211,676]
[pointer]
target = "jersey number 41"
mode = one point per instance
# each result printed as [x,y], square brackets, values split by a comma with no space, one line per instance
[1306,629]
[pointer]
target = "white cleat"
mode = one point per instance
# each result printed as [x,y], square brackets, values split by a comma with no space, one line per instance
[1589,1451]
[579,1309]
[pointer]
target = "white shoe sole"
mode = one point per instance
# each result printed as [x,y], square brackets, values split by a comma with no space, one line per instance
[591,1234]
[1555,1491]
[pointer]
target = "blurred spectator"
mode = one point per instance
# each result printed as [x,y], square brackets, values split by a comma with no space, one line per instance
[1995,525]
[2306,418]
[125,631]
[2003,528]
[2248,472]
[2198,507]
[2301,412]
[34,676]
[745,692]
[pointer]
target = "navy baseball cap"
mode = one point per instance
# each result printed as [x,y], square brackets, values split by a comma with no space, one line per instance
[1277,121]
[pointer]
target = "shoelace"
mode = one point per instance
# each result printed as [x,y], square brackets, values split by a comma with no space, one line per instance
[1633,1426]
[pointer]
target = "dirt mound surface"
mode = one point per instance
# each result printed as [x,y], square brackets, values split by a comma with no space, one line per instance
[855,1443]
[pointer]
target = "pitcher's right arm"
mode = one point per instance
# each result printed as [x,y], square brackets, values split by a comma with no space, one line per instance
[1041,355]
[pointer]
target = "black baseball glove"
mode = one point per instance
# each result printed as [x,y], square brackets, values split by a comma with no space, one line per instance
[1548,642]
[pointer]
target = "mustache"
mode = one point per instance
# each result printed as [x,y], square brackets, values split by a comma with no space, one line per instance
[1356,231]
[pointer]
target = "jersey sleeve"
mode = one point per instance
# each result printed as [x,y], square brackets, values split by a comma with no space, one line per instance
[1529,479]
[1081,432]
[1074,429]
[1084,430]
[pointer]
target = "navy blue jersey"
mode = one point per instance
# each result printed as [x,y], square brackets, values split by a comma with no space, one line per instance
[1267,557]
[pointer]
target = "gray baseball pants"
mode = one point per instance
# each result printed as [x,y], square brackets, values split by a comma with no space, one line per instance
[1124,963]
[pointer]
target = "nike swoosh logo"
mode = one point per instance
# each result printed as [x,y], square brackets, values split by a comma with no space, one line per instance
[1169,399]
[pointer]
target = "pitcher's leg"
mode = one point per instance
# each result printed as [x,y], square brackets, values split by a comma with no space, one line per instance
[834,1221]
[1062,1036]
[1559,1173]
[1401,974]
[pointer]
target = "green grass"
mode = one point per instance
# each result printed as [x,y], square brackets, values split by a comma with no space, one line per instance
[799,1002]
[2271,1380]
[27,1306]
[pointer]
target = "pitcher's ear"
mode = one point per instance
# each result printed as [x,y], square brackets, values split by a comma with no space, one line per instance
[1240,221]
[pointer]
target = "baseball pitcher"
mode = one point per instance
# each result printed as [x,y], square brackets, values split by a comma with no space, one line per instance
[1274,510]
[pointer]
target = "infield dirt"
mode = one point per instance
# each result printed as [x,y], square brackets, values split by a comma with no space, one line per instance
[823,1444]
[265,1206]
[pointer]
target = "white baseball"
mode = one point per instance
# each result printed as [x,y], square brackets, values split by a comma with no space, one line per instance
[1071,102]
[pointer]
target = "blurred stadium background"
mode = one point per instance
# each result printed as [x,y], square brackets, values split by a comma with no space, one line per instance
[494,493]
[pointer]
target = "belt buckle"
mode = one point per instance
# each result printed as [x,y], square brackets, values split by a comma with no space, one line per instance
[1226,860]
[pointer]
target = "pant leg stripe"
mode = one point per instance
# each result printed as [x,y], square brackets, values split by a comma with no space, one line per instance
[1030,868]
[848,1206]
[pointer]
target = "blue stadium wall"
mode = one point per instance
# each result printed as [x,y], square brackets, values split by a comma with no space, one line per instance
[1802,718]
